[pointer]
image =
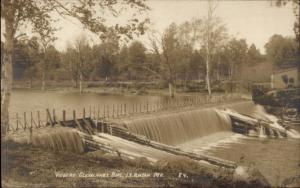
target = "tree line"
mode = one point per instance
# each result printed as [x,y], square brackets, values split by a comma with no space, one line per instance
[173,57]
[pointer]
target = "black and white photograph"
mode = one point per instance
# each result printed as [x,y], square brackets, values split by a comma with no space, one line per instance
[150,93]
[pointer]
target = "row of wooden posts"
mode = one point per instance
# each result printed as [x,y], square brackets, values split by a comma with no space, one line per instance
[106,112]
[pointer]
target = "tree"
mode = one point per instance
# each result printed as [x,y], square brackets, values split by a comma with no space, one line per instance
[45,40]
[253,55]
[281,50]
[70,64]
[211,37]
[136,59]
[186,42]
[15,14]
[82,49]
[123,64]
[236,51]
[167,59]
[296,4]
[169,63]
[104,57]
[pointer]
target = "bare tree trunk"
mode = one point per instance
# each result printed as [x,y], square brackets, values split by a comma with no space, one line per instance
[207,71]
[72,75]
[218,70]
[43,79]
[171,89]
[7,70]
[80,82]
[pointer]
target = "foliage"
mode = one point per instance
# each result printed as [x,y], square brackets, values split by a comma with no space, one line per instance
[281,50]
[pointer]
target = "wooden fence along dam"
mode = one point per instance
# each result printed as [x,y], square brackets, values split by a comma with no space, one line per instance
[146,130]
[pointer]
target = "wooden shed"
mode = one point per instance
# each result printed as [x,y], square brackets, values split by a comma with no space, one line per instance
[285,78]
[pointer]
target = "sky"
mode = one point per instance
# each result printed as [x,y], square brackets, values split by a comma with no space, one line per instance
[255,21]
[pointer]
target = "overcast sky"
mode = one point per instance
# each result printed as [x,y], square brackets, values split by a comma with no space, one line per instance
[256,21]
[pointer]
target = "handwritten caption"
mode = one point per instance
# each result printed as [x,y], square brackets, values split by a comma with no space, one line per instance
[115,175]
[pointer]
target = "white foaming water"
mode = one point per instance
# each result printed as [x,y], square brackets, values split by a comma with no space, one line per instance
[220,139]
[262,114]
[262,132]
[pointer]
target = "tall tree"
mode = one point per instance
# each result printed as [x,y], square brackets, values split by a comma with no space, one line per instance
[212,37]
[170,44]
[236,51]
[17,13]
[82,49]
[136,58]
[253,55]
[45,41]
[166,50]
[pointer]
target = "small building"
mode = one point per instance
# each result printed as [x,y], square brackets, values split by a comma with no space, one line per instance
[285,78]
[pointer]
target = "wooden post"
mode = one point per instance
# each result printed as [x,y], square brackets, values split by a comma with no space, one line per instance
[94,112]
[25,121]
[108,112]
[64,115]
[90,112]
[125,109]
[39,118]
[17,117]
[147,106]
[140,107]
[83,114]
[98,113]
[121,113]
[117,110]
[110,129]
[74,115]
[49,117]
[31,119]
[103,111]
[135,108]
[54,118]
[113,115]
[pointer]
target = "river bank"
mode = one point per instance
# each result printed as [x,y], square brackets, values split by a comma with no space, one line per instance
[122,87]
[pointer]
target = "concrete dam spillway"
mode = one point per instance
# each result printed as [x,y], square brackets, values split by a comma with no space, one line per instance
[179,127]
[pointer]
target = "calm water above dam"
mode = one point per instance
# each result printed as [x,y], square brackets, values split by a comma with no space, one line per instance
[26,101]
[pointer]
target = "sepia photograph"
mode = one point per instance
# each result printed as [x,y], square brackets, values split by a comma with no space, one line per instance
[150,93]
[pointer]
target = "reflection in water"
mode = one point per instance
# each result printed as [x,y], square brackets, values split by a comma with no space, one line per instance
[26,101]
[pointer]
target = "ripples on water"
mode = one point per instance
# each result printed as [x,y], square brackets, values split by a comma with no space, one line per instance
[276,159]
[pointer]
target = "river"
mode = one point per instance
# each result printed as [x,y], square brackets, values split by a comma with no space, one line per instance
[277,159]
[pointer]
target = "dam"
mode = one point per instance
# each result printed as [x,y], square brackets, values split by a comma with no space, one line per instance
[202,133]
[178,127]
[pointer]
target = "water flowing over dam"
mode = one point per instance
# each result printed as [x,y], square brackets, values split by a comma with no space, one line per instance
[179,127]
[55,138]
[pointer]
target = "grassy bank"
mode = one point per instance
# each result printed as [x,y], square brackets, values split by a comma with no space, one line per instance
[133,87]
[28,166]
